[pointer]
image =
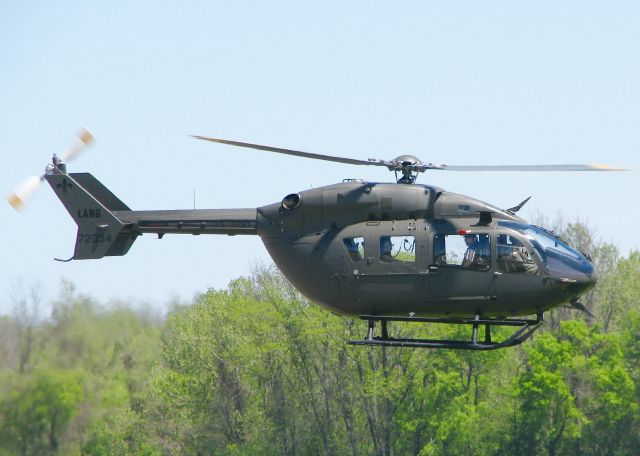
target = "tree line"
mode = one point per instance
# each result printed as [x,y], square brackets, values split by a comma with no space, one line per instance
[258,369]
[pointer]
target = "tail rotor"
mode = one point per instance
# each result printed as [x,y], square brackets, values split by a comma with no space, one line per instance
[18,198]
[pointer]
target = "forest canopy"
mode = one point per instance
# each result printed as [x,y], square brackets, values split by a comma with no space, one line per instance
[258,369]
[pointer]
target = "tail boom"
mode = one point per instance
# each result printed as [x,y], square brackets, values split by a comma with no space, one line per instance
[198,221]
[107,227]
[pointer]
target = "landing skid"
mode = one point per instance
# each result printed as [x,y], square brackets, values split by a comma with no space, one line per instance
[526,327]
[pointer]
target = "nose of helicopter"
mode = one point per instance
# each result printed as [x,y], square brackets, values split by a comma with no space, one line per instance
[580,287]
[576,280]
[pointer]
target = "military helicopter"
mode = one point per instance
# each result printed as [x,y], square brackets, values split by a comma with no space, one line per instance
[384,252]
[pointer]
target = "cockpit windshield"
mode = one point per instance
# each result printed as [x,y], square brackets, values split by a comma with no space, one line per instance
[556,255]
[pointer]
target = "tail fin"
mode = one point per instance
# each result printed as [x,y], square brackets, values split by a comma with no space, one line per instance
[90,204]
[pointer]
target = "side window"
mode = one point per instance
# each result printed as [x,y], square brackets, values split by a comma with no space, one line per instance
[355,247]
[398,249]
[513,256]
[469,251]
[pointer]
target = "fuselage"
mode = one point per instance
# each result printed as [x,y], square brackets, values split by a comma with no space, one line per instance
[329,243]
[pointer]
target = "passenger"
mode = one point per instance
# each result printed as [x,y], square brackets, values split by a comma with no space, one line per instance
[439,250]
[473,250]
[352,248]
[385,249]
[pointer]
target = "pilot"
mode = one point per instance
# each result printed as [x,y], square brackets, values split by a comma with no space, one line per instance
[385,249]
[473,250]
[522,260]
[514,256]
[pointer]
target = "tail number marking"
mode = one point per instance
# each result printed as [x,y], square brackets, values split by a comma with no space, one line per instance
[93,238]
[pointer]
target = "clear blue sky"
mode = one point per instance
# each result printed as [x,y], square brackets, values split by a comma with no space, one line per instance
[464,82]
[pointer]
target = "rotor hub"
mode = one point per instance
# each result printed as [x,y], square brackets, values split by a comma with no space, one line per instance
[409,166]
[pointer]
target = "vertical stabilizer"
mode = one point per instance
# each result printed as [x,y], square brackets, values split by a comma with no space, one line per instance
[90,204]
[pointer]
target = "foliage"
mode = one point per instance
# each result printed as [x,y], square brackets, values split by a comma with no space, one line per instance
[63,378]
[257,369]
[36,410]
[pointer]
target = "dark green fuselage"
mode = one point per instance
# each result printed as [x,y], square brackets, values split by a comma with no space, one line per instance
[308,236]
[307,245]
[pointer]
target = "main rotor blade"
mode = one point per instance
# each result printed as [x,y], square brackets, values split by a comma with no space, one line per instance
[530,168]
[350,161]
[418,166]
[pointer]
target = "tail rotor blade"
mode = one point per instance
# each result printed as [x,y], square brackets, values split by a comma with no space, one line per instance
[19,197]
[85,138]
[21,194]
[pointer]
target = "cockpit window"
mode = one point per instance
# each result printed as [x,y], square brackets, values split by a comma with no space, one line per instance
[513,256]
[470,251]
[398,249]
[355,247]
[542,240]
[556,255]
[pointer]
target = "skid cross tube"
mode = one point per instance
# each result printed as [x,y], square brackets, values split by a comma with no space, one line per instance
[526,327]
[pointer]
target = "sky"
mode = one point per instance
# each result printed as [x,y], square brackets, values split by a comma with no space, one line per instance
[466,82]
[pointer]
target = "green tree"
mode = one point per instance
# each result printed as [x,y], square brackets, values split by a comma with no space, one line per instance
[258,369]
[576,395]
[619,292]
[37,410]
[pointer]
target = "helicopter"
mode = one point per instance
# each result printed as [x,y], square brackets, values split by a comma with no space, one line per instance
[383,252]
